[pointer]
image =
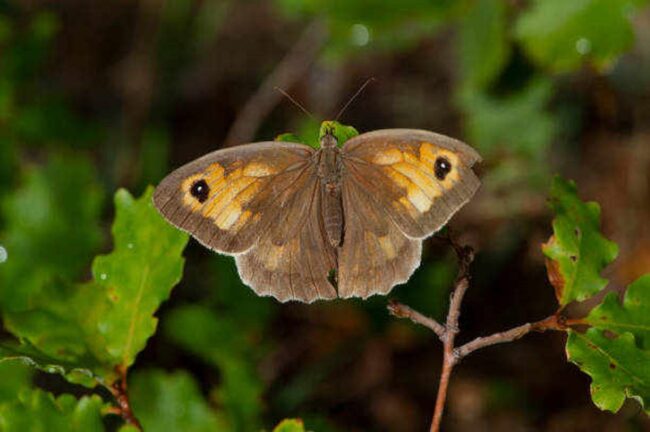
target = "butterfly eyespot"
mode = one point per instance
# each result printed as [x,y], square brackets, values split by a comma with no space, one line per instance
[200,190]
[442,168]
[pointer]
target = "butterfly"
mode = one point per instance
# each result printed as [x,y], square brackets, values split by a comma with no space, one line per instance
[340,221]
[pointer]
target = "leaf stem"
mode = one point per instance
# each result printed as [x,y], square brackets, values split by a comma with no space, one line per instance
[120,393]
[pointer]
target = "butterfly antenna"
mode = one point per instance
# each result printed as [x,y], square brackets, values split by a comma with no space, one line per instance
[354,96]
[295,102]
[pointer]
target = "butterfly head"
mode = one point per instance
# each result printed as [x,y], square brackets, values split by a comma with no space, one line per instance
[333,133]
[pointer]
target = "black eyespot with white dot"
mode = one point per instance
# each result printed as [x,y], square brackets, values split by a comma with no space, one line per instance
[200,190]
[442,168]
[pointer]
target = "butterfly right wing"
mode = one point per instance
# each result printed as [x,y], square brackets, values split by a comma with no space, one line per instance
[375,255]
[393,197]
[399,168]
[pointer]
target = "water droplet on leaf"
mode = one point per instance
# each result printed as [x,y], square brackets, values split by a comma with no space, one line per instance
[583,46]
[129,246]
[3,254]
[360,35]
[103,276]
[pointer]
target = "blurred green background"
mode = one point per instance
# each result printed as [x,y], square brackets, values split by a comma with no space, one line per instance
[96,96]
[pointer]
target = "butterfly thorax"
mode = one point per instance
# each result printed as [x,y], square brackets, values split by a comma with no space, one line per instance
[329,173]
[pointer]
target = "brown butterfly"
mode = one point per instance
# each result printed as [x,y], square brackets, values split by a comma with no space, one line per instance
[306,224]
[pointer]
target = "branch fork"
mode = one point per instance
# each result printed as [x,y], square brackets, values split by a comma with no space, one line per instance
[447,332]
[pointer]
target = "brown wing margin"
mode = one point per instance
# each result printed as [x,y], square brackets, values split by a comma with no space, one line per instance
[292,259]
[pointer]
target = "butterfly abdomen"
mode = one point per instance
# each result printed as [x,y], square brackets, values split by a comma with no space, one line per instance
[329,171]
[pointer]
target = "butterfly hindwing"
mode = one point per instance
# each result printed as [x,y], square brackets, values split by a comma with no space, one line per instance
[375,254]
[292,259]
[227,198]
[418,178]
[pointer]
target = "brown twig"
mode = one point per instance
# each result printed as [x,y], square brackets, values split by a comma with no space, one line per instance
[400,310]
[294,65]
[119,391]
[465,257]
[447,333]
[554,322]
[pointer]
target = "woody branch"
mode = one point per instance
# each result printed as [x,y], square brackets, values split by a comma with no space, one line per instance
[447,332]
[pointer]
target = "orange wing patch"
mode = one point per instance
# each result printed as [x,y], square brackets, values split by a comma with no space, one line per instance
[416,174]
[228,192]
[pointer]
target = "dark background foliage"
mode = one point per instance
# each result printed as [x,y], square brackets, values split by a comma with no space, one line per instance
[100,95]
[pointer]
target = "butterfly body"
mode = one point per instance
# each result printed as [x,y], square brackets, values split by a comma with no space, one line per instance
[291,214]
[329,173]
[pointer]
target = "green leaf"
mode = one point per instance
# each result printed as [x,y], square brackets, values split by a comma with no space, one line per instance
[288,137]
[87,331]
[221,341]
[562,35]
[28,355]
[14,375]
[483,48]
[136,277]
[52,229]
[617,367]
[25,409]
[36,410]
[171,402]
[308,135]
[341,132]
[308,131]
[290,425]
[632,316]
[577,252]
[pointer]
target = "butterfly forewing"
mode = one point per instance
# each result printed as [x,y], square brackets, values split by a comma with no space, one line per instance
[418,178]
[227,198]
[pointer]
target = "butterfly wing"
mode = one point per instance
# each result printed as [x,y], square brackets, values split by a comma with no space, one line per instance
[419,178]
[227,198]
[411,182]
[259,202]
[292,259]
[375,255]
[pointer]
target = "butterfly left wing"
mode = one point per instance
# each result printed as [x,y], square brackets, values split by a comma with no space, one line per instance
[259,202]
[227,198]
[292,260]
